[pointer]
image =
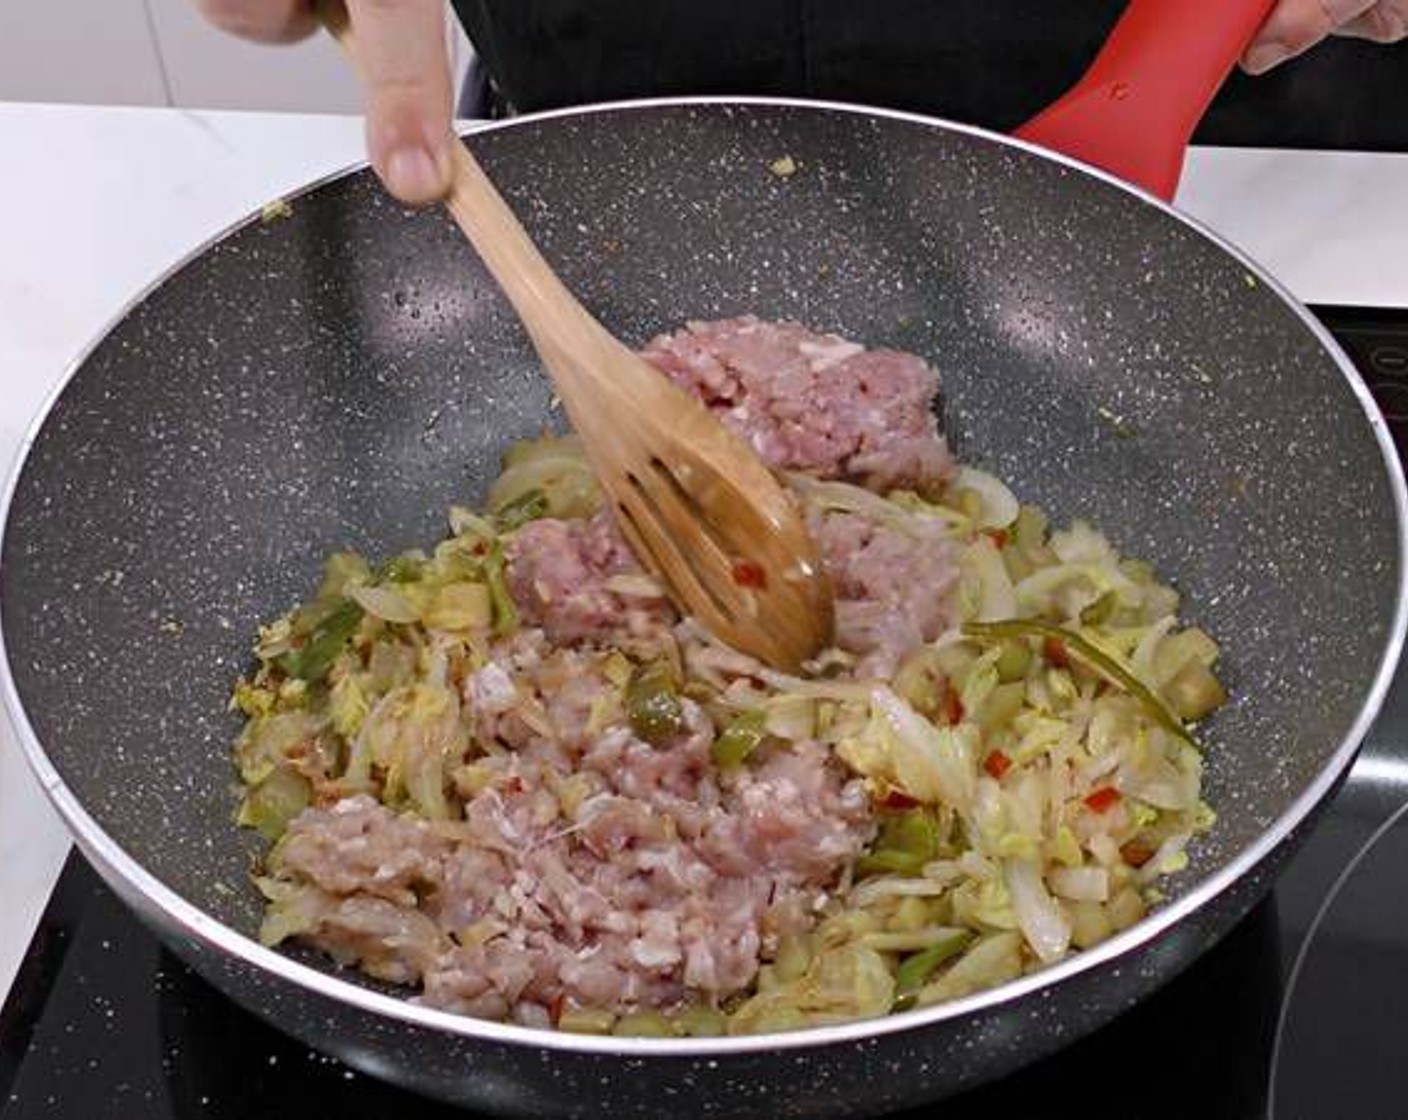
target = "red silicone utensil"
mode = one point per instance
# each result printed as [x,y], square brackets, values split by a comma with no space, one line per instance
[1137,106]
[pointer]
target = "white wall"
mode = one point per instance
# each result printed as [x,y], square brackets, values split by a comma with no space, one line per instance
[79,50]
[210,70]
[160,52]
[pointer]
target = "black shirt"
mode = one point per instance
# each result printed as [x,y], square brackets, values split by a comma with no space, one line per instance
[988,62]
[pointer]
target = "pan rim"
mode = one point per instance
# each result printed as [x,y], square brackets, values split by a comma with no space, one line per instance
[181,914]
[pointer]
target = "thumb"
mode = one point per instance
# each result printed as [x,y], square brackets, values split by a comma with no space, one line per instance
[1295,26]
[401,52]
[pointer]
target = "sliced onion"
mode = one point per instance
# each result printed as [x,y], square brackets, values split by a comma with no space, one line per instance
[842,691]
[933,764]
[913,941]
[791,717]
[1103,847]
[999,505]
[634,585]
[845,497]
[987,583]
[831,496]
[1080,884]
[464,521]
[1165,860]
[938,877]
[1142,660]
[1046,929]
[1037,592]
[1082,544]
[1157,781]
[384,603]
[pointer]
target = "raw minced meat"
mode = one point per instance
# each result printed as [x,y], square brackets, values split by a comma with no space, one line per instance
[609,872]
[815,402]
[893,589]
[508,775]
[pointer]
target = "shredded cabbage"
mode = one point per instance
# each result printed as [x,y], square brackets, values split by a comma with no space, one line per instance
[932,764]
[987,589]
[413,734]
[557,468]
[991,961]
[850,982]
[843,497]
[1030,772]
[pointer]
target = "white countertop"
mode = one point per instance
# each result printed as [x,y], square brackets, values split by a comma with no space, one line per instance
[96,202]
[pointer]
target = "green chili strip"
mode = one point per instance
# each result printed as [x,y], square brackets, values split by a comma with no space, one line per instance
[1081,647]
[907,841]
[890,861]
[1098,613]
[311,661]
[528,506]
[740,739]
[914,971]
[401,569]
[653,704]
[912,830]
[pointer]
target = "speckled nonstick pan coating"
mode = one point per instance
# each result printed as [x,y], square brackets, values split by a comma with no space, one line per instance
[337,378]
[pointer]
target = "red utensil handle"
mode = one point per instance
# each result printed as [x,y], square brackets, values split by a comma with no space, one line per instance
[1136,108]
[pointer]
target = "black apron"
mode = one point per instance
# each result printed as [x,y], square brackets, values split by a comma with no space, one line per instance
[987,62]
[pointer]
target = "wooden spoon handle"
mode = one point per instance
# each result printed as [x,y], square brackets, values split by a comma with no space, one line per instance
[556,322]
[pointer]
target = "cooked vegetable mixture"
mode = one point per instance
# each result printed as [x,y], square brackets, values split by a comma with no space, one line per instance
[505,773]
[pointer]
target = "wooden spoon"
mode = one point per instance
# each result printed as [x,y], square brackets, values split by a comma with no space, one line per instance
[699,507]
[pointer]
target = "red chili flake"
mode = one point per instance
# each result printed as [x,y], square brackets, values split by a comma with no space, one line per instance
[1136,853]
[555,1008]
[999,537]
[898,799]
[1104,798]
[746,573]
[514,784]
[997,763]
[953,708]
[479,549]
[1054,650]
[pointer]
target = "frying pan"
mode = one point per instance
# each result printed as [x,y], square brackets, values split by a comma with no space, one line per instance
[338,378]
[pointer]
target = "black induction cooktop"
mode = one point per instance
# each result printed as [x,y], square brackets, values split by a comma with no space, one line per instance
[1301,1013]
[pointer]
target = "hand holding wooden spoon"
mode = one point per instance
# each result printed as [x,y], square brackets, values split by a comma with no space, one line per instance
[701,510]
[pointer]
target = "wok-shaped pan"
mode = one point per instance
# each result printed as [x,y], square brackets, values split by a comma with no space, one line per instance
[339,377]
